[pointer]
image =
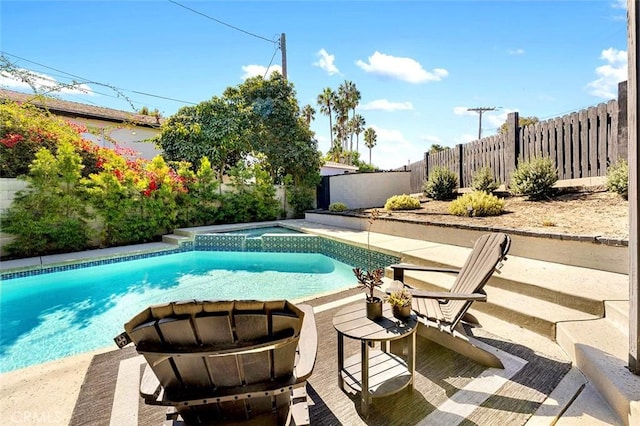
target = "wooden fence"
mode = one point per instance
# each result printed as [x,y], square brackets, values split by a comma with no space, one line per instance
[580,144]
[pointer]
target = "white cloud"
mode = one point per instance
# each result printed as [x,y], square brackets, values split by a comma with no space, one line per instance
[326,62]
[386,105]
[619,4]
[493,122]
[515,51]
[42,82]
[405,69]
[255,70]
[609,75]
[462,110]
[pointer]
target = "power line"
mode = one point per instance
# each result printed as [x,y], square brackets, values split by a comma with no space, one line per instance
[221,22]
[86,80]
[270,62]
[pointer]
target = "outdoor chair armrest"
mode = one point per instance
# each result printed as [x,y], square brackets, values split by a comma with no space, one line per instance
[149,385]
[307,344]
[399,268]
[445,295]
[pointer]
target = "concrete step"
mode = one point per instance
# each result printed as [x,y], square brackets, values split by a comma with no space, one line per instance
[600,350]
[589,408]
[575,287]
[618,313]
[529,312]
[584,251]
[175,239]
[574,402]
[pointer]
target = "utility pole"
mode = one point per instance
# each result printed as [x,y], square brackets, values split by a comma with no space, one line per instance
[480,110]
[283,49]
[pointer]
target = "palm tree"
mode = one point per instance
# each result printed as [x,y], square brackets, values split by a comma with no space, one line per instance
[357,124]
[335,153]
[327,100]
[341,128]
[350,95]
[308,113]
[370,139]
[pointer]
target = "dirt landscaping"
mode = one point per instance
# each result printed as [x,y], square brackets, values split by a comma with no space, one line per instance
[585,213]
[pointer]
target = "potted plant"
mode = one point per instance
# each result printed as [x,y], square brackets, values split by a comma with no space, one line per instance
[400,301]
[368,281]
[371,278]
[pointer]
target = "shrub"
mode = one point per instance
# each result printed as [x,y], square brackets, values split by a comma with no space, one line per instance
[337,207]
[483,180]
[402,202]
[618,178]
[477,203]
[441,184]
[534,178]
[253,198]
[301,199]
[51,216]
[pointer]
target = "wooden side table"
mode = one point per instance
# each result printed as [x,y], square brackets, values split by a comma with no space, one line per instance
[374,373]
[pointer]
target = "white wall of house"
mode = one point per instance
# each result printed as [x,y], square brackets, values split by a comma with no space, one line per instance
[366,190]
[127,135]
[8,189]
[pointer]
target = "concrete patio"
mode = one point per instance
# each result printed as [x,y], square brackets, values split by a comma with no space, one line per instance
[532,303]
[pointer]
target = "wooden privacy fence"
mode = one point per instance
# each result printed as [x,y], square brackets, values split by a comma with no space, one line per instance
[581,144]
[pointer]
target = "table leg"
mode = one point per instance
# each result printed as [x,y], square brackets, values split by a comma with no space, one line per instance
[412,359]
[365,378]
[340,360]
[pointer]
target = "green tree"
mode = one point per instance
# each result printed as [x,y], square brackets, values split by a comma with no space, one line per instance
[522,121]
[216,129]
[357,125]
[350,98]
[437,148]
[370,139]
[326,101]
[50,216]
[145,111]
[308,113]
[277,130]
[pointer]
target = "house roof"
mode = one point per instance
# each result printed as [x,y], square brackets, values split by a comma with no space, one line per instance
[76,109]
[334,165]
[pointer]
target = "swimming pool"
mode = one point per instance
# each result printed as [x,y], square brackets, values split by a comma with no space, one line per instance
[54,315]
[255,232]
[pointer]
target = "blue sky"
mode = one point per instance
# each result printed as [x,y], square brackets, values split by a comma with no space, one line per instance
[419,65]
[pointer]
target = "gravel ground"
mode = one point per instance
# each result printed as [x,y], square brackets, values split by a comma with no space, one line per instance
[586,213]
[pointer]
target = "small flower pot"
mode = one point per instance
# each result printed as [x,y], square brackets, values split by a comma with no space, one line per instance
[401,312]
[374,308]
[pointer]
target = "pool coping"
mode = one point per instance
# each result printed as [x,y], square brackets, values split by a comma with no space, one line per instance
[53,260]
[19,268]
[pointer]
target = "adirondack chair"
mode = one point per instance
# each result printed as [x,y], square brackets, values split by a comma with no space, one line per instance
[222,362]
[440,313]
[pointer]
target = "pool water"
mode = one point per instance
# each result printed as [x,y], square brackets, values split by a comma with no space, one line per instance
[51,316]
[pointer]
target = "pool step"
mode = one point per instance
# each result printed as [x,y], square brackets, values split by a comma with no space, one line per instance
[175,239]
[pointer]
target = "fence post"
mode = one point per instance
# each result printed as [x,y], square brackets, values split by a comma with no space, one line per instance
[622,141]
[460,165]
[512,145]
[426,166]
